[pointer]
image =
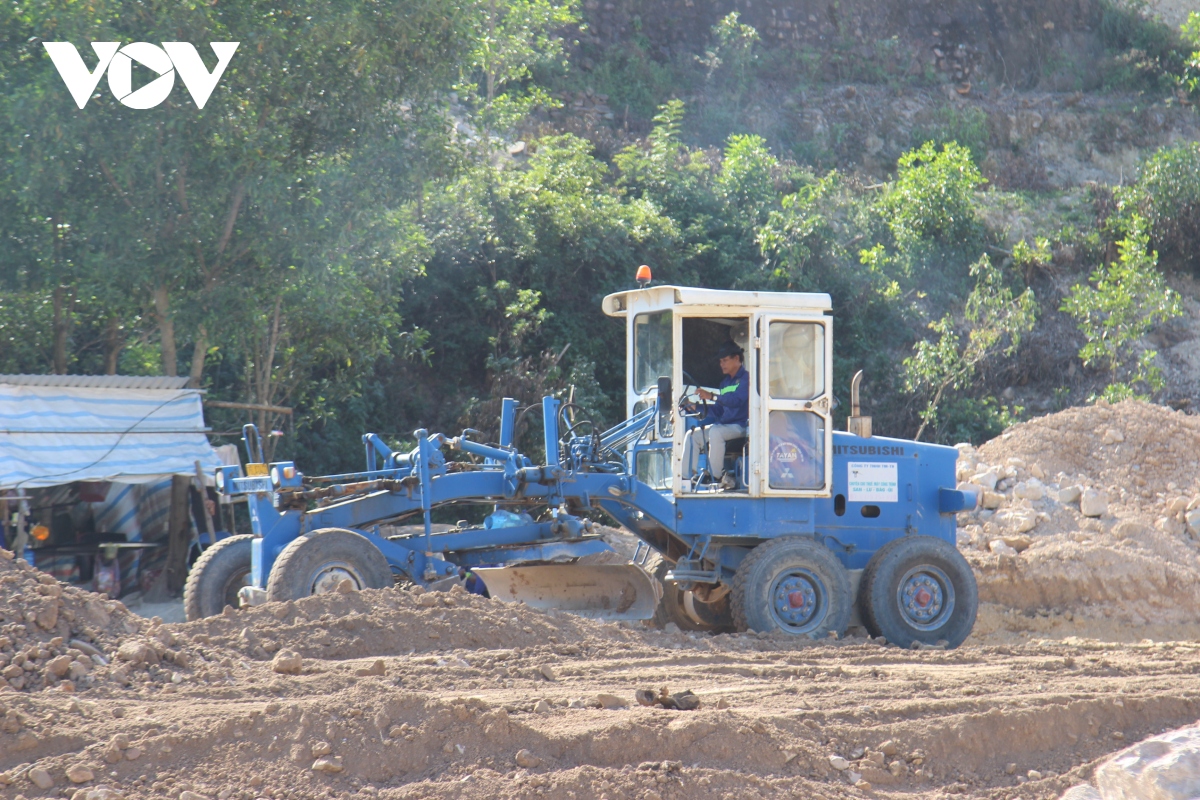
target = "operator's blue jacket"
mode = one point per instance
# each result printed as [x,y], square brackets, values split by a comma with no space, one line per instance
[732,405]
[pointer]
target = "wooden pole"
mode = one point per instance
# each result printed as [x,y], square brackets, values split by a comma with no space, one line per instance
[208,522]
[177,534]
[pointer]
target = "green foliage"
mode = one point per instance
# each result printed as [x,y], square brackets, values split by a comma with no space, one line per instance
[1124,301]
[1167,197]
[994,322]
[511,39]
[932,196]
[1144,53]
[1189,79]
[730,60]
[965,126]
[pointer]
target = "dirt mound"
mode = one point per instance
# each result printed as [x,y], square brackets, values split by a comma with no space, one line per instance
[1090,524]
[52,634]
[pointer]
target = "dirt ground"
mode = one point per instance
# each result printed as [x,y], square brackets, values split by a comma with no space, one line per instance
[401,694]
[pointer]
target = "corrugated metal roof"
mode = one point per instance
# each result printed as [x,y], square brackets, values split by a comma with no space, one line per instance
[97,381]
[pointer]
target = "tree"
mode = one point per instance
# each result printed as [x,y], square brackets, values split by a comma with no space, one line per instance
[731,57]
[512,37]
[184,209]
[1127,299]
[993,321]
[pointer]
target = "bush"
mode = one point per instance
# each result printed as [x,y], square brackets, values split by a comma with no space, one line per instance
[967,127]
[932,197]
[1128,299]
[1167,197]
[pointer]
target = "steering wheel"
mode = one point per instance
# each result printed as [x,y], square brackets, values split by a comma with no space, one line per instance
[690,383]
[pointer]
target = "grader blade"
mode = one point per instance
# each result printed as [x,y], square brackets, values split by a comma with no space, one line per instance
[599,591]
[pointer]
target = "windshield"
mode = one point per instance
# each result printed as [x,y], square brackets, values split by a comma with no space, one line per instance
[651,349]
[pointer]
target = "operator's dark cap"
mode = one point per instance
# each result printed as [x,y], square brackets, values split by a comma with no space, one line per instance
[729,349]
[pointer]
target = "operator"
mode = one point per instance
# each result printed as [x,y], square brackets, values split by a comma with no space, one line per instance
[727,416]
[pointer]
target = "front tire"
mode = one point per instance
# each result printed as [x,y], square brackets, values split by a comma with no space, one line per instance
[793,585]
[919,589]
[317,563]
[216,576]
[713,617]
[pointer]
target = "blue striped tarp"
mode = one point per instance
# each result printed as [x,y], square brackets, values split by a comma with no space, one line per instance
[57,434]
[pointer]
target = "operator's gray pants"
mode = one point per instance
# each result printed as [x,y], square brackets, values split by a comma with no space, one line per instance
[717,436]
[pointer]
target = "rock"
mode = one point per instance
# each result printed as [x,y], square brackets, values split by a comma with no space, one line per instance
[1192,518]
[1031,489]
[190,795]
[889,748]
[862,786]
[59,666]
[133,754]
[1010,769]
[1069,494]
[1018,543]
[1033,775]
[542,707]
[97,793]
[376,668]
[609,701]
[987,480]
[428,600]
[1162,767]
[671,627]
[287,662]
[516,148]
[137,652]
[897,768]
[1036,471]
[1083,791]
[1001,548]
[79,773]
[992,500]
[345,586]
[328,764]
[528,760]
[1112,436]
[839,763]
[646,697]
[318,749]
[548,672]
[40,778]
[1093,503]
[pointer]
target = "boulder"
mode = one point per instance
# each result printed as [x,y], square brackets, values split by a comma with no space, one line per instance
[1163,767]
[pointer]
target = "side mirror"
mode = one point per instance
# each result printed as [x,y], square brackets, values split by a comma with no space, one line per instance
[665,406]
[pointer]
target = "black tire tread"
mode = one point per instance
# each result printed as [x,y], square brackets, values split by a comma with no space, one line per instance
[761,553]
[666,610]
[275,591]
[191,588]
[868,609]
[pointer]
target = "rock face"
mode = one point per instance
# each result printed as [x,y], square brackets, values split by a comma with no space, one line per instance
[1163,767]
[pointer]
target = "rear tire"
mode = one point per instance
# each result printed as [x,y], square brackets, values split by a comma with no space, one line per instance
[793,585]
[215,578]
[919,589]
[715,617]
[317,563]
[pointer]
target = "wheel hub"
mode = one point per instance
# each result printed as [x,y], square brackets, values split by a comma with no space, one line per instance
[327,579]
[926,597]
[798,601]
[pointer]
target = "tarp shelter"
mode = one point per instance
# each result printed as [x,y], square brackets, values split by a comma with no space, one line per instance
[57,429]
[94,459]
